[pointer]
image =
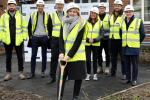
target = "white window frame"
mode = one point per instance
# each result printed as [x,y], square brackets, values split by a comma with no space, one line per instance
[142,9]
[89,1]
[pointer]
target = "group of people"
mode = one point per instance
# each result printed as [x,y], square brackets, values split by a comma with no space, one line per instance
[73,40]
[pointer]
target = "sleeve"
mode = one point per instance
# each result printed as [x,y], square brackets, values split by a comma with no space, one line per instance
[29,28]
[24,28]
[61,42]
[77,43]
[99,38]
[1,27]
[50,26]
[142,32]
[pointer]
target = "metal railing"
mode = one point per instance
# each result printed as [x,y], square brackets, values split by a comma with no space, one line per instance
[147,35]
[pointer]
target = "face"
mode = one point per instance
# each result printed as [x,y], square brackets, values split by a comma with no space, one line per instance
[40,8]
[117,7]
[59,7]
[93,15]
[129,14]
[72,13]
[12,7]
[102,10]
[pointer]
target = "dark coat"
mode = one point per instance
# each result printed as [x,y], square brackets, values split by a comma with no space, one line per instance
[76,70]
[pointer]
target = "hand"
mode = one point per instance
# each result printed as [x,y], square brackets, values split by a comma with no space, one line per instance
[48,37]
[90,40]
[61,56]
[30,37]
[67,58]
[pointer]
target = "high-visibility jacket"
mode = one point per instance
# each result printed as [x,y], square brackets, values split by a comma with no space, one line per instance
[56,24]
[69,42]
[21,28]
[106,22]
[115,27]
[34,21]
[93,32]
[131,37]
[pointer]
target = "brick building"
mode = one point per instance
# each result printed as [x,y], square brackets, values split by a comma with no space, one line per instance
[142,10]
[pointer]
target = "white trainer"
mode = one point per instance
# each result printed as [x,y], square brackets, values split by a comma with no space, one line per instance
[88,77]
[95,77]
[106,70]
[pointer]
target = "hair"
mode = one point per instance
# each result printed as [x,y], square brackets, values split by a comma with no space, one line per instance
[78,13]
[91,18]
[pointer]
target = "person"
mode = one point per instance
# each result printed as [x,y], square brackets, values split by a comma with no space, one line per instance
[105,41]
[72,48]
[115,39]
[54,29]
[132,33]
[38,34]
[94,36]
[13,31]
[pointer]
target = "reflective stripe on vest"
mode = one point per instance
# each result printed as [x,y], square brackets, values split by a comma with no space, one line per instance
[115,27]
[93,32]
[131,38]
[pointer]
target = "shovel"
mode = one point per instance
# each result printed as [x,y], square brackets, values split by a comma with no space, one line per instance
[61,76]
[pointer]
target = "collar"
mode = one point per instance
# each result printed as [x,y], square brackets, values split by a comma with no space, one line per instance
[59,13]
[132,18]
[120,12]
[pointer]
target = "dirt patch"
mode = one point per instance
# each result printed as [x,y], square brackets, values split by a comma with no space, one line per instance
[140,92]
[9,93]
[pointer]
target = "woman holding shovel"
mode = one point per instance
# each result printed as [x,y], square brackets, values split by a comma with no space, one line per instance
[72,49]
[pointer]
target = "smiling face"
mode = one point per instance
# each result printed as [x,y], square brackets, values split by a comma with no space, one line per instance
[129,14]
[12,7]
[72,13]
[40,8]
[102,10]
[93,15]
[59,7]
[117,7]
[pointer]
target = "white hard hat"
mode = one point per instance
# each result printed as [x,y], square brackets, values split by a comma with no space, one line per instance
[95,9]
[102,5]
[72,5]
[129,8]
[11,1]
[60,1]
[40,2]
[118,2]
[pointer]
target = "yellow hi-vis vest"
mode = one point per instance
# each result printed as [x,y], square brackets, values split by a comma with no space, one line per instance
[21,28]
[131,37]
[69,42]
[93,32]
[114,27]
[34,21]
[56,24]
[106,22]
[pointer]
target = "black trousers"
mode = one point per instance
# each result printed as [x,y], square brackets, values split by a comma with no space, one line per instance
[54,56]
[8,50]
[94,51]
[115,48]
[134,59]
[104,45]
[77,84]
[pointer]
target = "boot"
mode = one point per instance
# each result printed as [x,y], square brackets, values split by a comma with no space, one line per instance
[75,98]
[106,70]
[8,76]
[100,70]
[21,76]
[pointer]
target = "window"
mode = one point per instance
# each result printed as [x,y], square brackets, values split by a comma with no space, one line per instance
[93,1]
[84,1]
[142,9]
[77,1]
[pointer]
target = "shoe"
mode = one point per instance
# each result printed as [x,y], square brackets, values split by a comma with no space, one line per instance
[88,77]
[51,80]
[126,81]
[110,75]
[32,75]
[95,77]
[106,70]
[8,76]
[100,70]
[21,76]
[134,83]
[123,77]
[42,74]
[75,98]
